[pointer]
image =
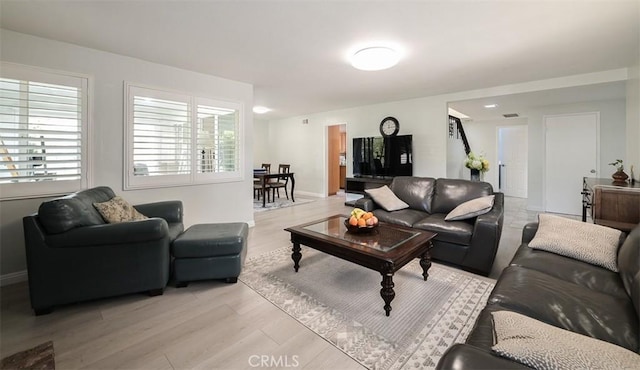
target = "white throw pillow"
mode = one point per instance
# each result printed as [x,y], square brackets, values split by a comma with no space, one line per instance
[384,197]
[471,208]
[118,210]
[543,346]
[591,243]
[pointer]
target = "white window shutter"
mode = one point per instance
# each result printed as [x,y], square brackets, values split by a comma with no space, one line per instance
[43,120]
[161,137]
[217,139]
[178,139]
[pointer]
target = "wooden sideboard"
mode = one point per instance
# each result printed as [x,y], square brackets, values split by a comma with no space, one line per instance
[612,204]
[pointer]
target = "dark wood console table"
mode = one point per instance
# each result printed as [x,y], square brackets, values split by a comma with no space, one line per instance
[357,185]
[612,204]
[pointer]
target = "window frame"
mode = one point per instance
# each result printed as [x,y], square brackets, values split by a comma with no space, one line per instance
[39,189]
[132,182]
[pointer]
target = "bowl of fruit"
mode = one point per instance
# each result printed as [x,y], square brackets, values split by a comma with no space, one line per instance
[361,221]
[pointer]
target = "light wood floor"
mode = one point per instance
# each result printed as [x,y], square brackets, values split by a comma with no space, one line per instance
[205,325]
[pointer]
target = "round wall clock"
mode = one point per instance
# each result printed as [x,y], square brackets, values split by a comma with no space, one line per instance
[389,127]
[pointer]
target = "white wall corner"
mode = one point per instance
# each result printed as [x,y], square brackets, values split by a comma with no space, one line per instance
[633,121]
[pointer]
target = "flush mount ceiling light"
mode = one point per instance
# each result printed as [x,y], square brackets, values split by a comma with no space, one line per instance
[260,110]
[375,58]
[489,106]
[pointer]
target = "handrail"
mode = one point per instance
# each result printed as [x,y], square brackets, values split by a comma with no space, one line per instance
[467,148]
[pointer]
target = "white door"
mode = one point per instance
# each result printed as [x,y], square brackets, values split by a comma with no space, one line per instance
[512,157]
[571,154]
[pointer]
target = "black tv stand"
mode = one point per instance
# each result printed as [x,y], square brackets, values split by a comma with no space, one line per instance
[372,177]
[357,185]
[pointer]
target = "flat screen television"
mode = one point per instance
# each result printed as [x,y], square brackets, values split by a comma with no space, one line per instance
[383,156]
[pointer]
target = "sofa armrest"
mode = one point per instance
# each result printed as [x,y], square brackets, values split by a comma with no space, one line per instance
[486,237]
[465,356]
[170,210]
[529,231]
[494,217]
[111,234]
[366,204]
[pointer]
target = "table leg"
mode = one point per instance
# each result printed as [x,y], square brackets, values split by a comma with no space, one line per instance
[296,256]
[425,263]
[387,292]
[264,191]
[293,184]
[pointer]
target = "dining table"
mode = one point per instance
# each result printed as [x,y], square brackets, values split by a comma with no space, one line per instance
[264,179]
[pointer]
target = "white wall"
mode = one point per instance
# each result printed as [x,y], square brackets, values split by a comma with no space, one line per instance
[304,146]
[483,139]
[202,203]
[633,121]
[260,142]
[612,141]
[633,115]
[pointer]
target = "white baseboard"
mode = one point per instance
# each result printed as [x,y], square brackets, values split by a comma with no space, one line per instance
[13,278]
[308,194]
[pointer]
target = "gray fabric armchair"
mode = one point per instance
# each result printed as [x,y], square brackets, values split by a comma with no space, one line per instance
[73,255]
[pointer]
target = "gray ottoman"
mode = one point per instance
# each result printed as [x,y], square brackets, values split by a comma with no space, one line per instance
[210,251]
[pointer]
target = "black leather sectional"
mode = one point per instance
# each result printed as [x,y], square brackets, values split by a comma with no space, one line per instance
[562,292]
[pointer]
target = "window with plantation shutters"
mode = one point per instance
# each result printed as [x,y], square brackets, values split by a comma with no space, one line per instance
[43,120]
[179,139]
[161,137]
[217,139]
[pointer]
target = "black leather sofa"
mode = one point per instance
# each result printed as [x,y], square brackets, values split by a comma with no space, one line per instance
[73,255]
[562,292]
[470,244]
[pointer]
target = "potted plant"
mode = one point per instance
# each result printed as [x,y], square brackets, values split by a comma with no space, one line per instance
[619,175]
[477,164]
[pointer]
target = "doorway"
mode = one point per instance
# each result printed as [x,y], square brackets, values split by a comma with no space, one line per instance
[336,158]
[571,153]
[513,160]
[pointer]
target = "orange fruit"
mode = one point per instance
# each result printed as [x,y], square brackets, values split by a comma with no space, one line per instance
[353,221]
[362,222]
[367,215]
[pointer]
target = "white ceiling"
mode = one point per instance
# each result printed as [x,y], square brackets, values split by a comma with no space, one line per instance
[523,103]
[294,52]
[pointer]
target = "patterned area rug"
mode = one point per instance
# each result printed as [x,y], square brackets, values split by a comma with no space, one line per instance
[279,203]
[341,302]
[40,357]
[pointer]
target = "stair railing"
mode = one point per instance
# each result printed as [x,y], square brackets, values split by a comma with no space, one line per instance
[458,123]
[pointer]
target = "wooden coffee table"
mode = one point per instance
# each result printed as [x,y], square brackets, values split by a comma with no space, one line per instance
[386,249]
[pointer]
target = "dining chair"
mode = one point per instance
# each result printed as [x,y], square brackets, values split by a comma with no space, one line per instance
[281,182]
[257,184]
